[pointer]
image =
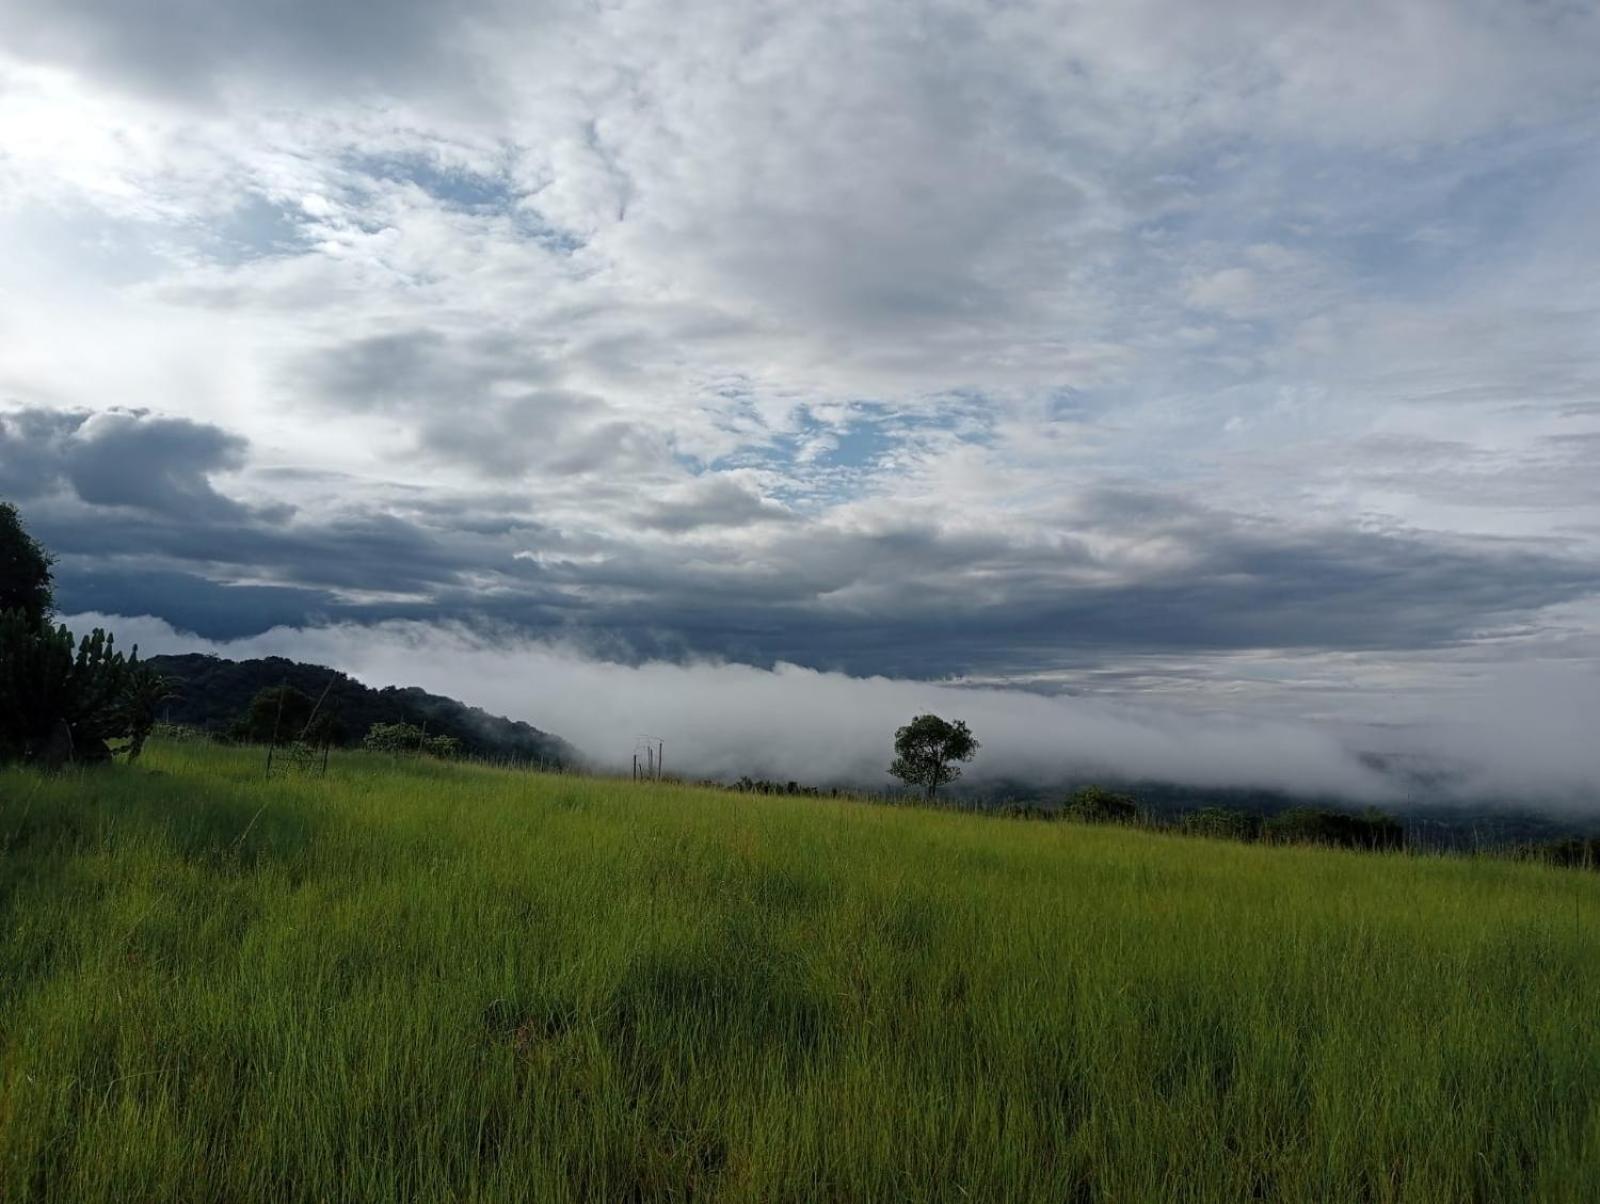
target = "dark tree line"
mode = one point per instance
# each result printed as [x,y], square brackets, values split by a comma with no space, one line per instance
[283,715]
[238,700]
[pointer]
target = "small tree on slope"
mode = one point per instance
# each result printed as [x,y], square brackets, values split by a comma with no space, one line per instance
[926,749]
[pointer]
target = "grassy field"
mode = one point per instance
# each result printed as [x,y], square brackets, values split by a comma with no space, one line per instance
[416,981]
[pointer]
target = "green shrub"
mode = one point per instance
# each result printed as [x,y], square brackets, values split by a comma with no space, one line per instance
[282,714]
[1097,805]
[143,692]
[61,702]
[1309,825]
[1574,852]
[1222,823]
[408,737]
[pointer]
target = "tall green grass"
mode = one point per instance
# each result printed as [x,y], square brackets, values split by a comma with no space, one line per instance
[412,981]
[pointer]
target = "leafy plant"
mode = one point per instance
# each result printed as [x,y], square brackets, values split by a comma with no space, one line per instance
[24,569]
[1222,823]
[1309,825]
[408,737]
[1097,805]
[282,714]
[143,692]
[61,700]
[59,703]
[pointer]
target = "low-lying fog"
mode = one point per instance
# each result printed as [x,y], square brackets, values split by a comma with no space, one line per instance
[1534,734]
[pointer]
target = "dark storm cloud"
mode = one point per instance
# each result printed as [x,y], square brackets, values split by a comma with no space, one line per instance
[190,602]
[156,464]
[126,501]
[367,562]
[121,458]
[362,552]
[1343,594]
[918,603]
[30,450]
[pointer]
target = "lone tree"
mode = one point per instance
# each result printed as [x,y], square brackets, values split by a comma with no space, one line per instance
[282,714]
[925,750]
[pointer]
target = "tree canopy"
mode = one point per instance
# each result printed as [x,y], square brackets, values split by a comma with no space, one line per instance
[281,714]
[218,696]
[24,569]
[926,749]
[62,699]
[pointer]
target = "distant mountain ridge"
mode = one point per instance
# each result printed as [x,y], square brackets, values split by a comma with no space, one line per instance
[211,692]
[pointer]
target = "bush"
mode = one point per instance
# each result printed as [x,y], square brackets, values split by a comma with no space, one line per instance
[142,693]
[1222,823]
[1308,825]
[282,714]
[408,737]
[1575,852]
[749,785]
[1097,805]
[61,703]
[1015,810]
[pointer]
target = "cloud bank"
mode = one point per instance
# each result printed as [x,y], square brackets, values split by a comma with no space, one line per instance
[723,720]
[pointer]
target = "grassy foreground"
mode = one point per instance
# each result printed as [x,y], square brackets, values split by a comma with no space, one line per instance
[425,982]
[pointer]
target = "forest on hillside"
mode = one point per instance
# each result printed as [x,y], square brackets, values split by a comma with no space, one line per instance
[215,694]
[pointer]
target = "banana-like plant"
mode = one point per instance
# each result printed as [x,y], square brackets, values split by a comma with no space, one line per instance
[143,692]
[64,700]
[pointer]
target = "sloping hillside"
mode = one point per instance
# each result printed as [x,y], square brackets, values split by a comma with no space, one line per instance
[213,692]
[416,980]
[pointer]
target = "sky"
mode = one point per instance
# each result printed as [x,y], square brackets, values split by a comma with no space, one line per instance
[1232,363]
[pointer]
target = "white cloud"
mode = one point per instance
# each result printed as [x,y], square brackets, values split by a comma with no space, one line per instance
[928,265]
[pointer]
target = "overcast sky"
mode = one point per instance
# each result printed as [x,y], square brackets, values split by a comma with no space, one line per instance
[1240,355]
